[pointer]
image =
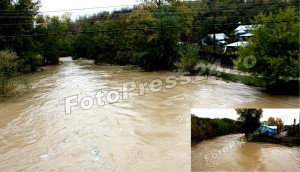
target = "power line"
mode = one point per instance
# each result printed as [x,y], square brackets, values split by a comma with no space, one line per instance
[76,9]
[238,6]
[145,28]
[113,19]
[168,18]
[90,8]
[130,5]
[122,14]
[207,9]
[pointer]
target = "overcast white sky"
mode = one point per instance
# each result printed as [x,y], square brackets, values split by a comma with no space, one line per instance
[287,115]
[55,5]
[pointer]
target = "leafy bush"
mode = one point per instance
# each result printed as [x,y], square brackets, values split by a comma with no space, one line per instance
[9,63]
[188,57]
[31,61]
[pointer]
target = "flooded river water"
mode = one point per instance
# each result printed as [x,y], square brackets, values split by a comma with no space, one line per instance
[147,131]
[226,153]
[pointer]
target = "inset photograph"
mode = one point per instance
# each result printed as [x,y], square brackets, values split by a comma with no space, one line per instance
[245,139]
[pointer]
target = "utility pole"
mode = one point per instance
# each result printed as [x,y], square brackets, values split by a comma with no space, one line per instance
[213,7]
[214,12]
[158,5]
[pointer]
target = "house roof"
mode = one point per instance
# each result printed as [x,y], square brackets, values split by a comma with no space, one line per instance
[271,127]
[269,130]
[243,28]
[247,35]
[219,36]
[237,44]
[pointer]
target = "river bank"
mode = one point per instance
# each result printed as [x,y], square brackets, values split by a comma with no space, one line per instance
[286,141]
[282,87]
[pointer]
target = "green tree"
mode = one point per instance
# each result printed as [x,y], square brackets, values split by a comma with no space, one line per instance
[249,119]
[18,19]
[158,49]
[54,46]
[274,50]
[189,57]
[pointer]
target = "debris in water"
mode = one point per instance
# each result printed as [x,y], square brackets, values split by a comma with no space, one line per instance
[44,157]
[95,153]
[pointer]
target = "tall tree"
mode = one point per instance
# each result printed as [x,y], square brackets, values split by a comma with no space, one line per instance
[54,46]
[249,119]
[274,50]
[17,18]
[276,122]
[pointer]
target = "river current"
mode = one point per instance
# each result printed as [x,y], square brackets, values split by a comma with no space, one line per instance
[146,129]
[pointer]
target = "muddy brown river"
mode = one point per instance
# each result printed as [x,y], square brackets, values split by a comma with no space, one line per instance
[145,127]
[227,153]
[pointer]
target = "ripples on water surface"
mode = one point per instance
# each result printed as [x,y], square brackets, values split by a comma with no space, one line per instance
[143,133]
[243,156]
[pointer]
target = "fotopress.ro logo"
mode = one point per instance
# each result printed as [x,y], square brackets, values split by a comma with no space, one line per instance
[231,146]
[102,97]
[248,62]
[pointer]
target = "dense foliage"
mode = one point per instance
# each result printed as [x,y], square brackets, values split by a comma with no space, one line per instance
[17,18]
[9,67]
[274,48]
[249,119]
[205,128]
[189,57]
[149,35]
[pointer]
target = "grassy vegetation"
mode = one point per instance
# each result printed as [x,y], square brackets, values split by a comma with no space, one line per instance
[9,69]
[290,87]
[248,80]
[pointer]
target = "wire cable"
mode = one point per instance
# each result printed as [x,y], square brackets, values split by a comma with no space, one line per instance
[146,28]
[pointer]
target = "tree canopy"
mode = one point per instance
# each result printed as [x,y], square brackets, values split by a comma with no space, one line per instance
[205,128]
[276,122]
[249,119]
[274,49]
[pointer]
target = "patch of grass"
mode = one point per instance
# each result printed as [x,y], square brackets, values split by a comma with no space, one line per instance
[286,88]
[7,87]
[10,84]
[12,87]
[248,80]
